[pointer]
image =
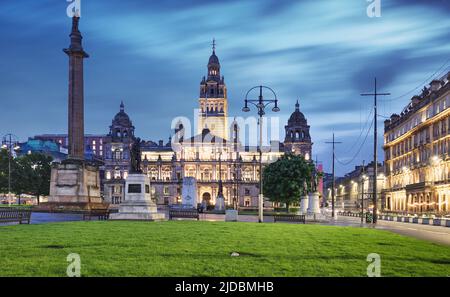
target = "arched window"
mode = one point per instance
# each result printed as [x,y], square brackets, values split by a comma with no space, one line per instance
[248,175]
[118,154]
[166,174]
[153,172]
[117,174]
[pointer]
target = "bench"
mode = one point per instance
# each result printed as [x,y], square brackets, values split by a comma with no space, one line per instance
[101,214]
[184,213]
[289,218]
[15,214]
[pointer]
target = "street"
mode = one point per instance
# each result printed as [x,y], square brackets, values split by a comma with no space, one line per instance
[435,234]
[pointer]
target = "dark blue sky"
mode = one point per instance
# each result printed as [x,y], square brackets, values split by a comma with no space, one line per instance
[153,54]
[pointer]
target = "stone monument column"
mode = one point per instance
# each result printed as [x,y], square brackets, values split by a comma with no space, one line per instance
[76,92]
[75,183]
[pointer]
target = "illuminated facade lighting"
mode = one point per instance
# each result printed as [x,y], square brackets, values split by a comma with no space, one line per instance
[417,153]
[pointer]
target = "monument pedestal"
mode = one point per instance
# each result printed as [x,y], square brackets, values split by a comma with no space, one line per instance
[303,205]
[189,192]
[74,187]
[231,215]
[138,204]
[314,203]
[220,203]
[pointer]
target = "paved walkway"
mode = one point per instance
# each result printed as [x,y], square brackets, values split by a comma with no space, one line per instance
[435,234]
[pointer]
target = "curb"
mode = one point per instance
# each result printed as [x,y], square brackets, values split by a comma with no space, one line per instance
[413,220]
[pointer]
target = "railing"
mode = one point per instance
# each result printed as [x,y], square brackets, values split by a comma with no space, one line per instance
[15,214]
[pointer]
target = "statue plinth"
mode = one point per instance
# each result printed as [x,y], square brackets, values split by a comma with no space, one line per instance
[303,205]
[138,204]
[314,203]
[220,203]
[189,192]
[74,187]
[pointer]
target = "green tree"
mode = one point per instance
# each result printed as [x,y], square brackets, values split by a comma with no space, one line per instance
[4,172]
[33,175]
[284,180]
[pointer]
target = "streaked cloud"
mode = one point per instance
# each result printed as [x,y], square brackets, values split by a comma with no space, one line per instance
[152,55]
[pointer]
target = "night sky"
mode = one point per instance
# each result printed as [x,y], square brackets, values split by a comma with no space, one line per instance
[153,54]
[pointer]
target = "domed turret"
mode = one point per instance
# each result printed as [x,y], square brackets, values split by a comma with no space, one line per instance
[214,65]
[297,117]
[121,124]
[298,139]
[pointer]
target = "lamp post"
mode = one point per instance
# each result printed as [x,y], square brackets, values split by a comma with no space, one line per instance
[10,144]
[220,197]
[261,105]
[236,167]
[435,161]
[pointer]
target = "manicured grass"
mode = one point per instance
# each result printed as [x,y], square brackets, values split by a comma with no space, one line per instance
[190,248]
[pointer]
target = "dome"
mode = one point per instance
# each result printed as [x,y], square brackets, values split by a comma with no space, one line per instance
[297,117]
[121,118]
[213,59]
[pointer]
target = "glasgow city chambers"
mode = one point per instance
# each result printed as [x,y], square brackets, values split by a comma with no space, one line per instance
[219,150]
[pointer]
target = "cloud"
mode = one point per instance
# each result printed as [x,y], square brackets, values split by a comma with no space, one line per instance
[153,54]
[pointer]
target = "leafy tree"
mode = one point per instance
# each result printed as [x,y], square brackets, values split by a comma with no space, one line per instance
[284,180]
[34,172]
[4,172]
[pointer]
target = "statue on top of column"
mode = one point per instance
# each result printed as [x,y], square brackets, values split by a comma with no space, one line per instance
[136,156]
[314,180]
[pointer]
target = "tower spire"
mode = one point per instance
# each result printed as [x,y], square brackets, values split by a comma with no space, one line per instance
[214,45]
[122,106]
[297,106]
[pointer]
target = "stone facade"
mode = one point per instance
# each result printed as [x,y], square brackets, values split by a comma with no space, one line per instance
[74,182]
[117,157]
[298,139]
[350,188]
[198,157]
[417,153]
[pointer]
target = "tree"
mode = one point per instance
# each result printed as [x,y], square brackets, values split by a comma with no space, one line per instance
[3,171]
[284,180]
[33,176]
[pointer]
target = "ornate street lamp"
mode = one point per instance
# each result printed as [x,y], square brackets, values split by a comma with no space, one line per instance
[220,200]
[10,144]
[261,104]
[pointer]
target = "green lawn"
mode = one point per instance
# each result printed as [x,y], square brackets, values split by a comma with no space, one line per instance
[190,248]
